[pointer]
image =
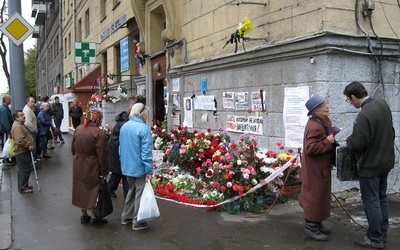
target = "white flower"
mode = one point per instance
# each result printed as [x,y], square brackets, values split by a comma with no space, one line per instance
[267,169]
[254,181]
[239,162]
[269,160]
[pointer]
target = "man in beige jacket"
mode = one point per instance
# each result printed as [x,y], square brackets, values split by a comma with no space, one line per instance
[30,119]
[23,145]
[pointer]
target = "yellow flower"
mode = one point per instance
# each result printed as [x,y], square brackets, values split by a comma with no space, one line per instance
[244,28]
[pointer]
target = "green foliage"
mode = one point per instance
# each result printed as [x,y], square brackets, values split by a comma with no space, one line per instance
[30,72]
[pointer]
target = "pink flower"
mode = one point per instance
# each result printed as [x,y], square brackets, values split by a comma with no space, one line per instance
[222,189]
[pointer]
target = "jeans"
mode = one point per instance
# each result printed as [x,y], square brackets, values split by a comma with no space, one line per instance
[24,163]
[113,182]
[376,206]
[58,125]
[43,144]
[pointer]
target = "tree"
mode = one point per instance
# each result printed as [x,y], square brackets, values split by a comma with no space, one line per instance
[3,47]
[30,71]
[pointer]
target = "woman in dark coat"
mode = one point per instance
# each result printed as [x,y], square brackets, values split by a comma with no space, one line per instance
[315,196]
[114,163]
[90,165]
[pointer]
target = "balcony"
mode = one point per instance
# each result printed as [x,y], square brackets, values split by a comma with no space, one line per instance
[35,33]
[40,17]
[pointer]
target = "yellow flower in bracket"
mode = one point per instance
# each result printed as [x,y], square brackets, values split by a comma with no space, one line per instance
[244,28]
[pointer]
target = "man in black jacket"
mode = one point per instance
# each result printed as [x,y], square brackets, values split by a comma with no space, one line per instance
[372,140]
[58,116]
[114,164]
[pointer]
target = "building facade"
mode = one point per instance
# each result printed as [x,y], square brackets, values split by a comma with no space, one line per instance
[176,57]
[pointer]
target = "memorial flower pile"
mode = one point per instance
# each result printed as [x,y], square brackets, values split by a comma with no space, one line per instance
[206,168]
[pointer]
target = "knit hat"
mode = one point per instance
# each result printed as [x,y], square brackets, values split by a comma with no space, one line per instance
[313,103]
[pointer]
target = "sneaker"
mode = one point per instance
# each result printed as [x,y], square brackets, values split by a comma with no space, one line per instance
[39,158]
[56,142]
[366,242]
[26,191]
[46,156]
[126,222]
[140,226]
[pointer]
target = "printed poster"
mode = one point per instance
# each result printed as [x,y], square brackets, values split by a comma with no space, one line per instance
[228,100]
[188,112]
[204,102]
[241,100]
[244,124]
[256,102]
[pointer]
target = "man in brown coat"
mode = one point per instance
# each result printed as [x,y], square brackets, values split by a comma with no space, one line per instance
[23,145]
[315,196]
[90,166]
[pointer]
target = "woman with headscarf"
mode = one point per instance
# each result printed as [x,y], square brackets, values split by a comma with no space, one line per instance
[318,143]
[90,166]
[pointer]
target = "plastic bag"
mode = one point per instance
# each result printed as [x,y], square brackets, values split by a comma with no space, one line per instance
[11,142]
[6,149]
[148,208]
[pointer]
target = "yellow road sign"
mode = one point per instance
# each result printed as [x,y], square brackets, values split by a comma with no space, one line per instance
[17,29]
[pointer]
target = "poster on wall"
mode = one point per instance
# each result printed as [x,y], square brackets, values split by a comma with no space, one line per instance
[188,112]
[175,84]
[228,101]
[241,100]
[256,102]
[176,119]
[295,115]
[244,124]
[204,102]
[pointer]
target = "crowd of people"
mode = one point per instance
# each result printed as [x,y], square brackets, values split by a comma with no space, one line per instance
[34,130]
[127,156]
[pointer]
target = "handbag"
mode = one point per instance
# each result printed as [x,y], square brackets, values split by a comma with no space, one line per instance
[346,164]
[148,207]
[104,204]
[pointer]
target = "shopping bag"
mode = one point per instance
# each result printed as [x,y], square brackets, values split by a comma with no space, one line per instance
[346,164]
[6,149]
[104,204]
[12,152]
[148,208]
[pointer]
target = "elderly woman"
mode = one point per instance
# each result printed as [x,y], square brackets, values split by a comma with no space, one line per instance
[90,166]
[315,196]
[44,124]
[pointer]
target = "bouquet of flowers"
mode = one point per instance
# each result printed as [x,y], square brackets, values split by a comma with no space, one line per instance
[242,29]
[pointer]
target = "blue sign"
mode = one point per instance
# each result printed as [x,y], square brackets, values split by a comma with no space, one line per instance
[124,51]
[204,86]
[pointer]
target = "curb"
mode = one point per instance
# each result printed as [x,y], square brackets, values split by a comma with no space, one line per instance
[5,209]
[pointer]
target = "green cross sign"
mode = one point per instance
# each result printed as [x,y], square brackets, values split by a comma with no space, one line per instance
[85,52]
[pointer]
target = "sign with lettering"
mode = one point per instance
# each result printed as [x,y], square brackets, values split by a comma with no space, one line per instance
[244,124]
[107,32]
[124,48]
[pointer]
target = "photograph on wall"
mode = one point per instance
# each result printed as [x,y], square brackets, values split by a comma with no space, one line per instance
[256,102]
[176,101]
[241,100]
[188,112]
[228,100]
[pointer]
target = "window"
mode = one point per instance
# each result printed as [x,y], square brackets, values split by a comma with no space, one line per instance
[69,43]
[79,31]
[117,62]
[65,47]
[87,23]
[104,62]
[57,45]
[103,9]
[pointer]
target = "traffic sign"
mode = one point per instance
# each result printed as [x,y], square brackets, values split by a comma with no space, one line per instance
[17,29]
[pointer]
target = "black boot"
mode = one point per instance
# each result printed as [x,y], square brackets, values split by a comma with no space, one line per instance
[312,231]
[323,229]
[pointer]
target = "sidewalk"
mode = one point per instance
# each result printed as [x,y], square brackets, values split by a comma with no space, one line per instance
[48,220]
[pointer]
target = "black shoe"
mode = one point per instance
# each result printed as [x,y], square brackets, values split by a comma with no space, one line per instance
[85,219]
[312,231]
[46,156]
[323,229]
[97,222]
[363,243]
[26,191]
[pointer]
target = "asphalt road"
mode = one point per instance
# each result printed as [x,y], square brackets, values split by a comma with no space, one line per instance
[47,220]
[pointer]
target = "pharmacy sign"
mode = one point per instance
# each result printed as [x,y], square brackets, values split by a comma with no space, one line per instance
[17,29]
[85,52]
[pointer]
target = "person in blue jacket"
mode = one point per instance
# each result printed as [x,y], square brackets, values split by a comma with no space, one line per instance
[135,150]
[44,124]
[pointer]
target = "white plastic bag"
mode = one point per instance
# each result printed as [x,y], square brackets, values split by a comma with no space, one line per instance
[6,149]
[148,208]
